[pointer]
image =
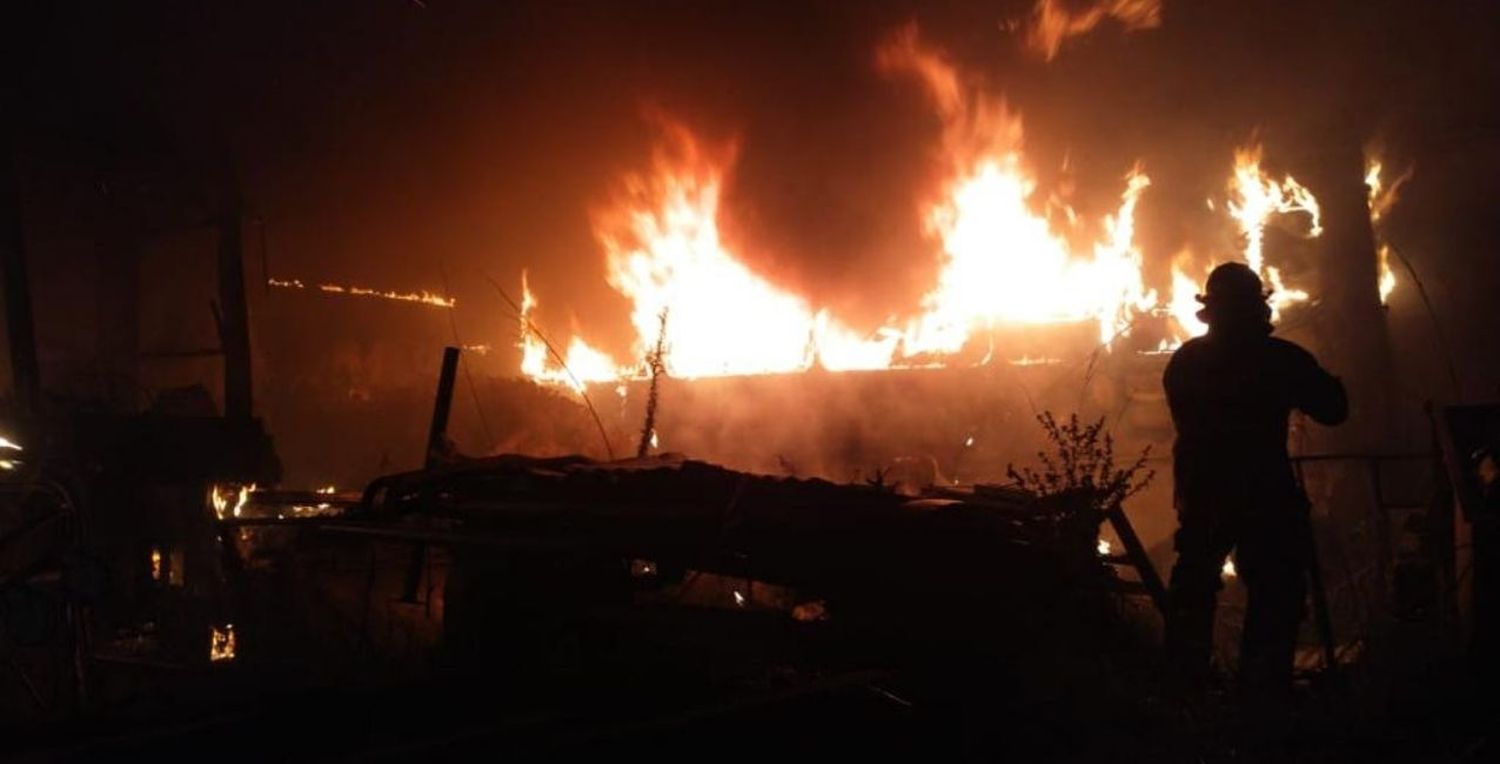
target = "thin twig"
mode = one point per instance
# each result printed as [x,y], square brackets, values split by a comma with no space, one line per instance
[1088,372]
[656,362]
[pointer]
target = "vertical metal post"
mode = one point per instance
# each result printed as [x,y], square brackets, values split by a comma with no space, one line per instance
[437,433]
[441,406]
[25,370]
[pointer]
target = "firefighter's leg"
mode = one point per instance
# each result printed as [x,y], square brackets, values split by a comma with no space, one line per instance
[1202,543]
[1272,563]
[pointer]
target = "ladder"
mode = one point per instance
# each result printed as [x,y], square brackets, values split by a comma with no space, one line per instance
[1135,557]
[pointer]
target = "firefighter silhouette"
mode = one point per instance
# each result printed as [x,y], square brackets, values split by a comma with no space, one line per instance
[1231,394]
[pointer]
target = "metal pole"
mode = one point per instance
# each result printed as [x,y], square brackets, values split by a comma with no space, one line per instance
[436,435]
[441,406]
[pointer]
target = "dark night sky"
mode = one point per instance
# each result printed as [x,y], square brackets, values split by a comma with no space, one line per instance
[400,143]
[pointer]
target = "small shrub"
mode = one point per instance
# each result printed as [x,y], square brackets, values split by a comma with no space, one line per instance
[1079,475]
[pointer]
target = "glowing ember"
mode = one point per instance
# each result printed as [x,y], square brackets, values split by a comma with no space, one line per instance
[6,444]
[1053,22]
[1103,547]
[739,599]
[156,563]
[327,489]
[1228,570]
[221,643]
[424,297]
[229,499]
[807,612]
[1027,360]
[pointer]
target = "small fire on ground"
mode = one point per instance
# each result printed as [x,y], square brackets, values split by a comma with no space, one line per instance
[221,643]
[229,500]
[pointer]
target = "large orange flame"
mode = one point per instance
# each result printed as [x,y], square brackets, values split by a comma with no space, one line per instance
[663,251]
[1004,261]
[1007,255]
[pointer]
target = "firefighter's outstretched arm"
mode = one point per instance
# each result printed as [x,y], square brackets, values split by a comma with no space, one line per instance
[1321,395]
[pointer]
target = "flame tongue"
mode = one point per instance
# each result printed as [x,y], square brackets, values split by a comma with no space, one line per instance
[1382,198]
[1052,22]
[1254,198]
[581,365]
